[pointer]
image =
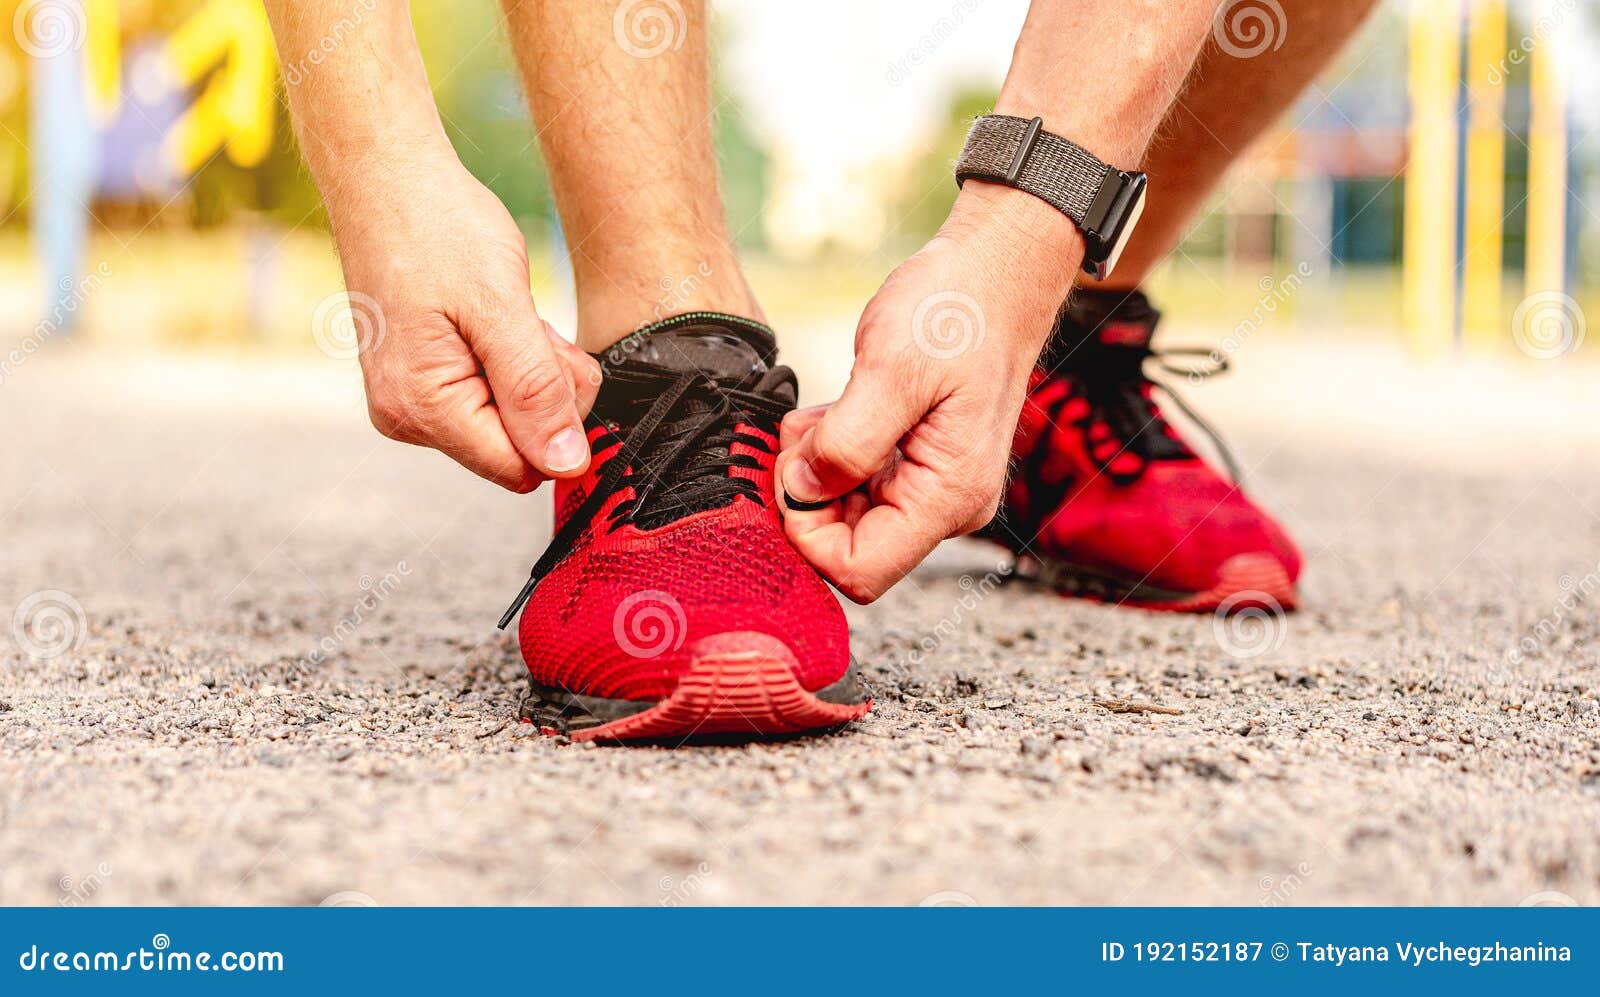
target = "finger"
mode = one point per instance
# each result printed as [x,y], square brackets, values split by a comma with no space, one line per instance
[483,448]
[854,439]
[864,555]
[796,423]
[533,387]
[584,369]
[461,421]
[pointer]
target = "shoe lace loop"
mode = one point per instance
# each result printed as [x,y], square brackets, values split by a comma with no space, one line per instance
[1117,397]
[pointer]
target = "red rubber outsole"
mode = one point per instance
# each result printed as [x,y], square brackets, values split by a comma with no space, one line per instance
[1246,581]
[731,692]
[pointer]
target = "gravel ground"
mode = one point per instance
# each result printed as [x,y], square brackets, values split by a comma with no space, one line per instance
[218,520]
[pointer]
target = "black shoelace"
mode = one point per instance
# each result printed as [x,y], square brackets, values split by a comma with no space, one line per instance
[1114,390]
[676,456]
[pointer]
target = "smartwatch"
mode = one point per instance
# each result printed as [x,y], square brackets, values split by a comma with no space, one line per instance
[1104,202]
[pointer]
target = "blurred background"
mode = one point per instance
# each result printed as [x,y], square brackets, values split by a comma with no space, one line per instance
[1436,180]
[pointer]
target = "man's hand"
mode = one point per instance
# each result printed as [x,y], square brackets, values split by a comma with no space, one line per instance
[924,427]
[465,365]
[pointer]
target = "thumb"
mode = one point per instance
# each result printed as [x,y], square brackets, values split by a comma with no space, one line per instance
[533,388]
[853,440]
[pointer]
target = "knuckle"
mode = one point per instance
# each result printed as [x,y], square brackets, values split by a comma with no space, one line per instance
[391,416]
[842,450]
[976,502]
[540,387]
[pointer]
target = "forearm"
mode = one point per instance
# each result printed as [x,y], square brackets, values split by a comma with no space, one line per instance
[1102,74]
[358,93]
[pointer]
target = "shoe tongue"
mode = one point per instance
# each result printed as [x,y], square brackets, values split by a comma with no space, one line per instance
[1117,318]
[724,346]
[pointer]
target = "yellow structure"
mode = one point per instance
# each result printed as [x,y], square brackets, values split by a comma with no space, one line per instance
[1547,157]
[1482,318]
[235,110]
[1429,283]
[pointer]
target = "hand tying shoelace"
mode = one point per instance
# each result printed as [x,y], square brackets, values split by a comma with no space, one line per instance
[695,449]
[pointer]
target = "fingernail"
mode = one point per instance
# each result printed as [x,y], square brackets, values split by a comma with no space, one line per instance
[567,451]
[800,481]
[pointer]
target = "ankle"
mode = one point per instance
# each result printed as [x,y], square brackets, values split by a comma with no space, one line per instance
[610,307]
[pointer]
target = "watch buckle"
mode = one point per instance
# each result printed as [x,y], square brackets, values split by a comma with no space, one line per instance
[1110,221]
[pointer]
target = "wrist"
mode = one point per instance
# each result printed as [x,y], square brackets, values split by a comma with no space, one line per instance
[1027,245]
[373,183]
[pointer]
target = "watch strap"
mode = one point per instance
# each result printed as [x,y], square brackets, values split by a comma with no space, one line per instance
[1105,203]
[1019,153]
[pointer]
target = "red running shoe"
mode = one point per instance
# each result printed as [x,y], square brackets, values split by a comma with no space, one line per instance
[1109,501]
[670,605]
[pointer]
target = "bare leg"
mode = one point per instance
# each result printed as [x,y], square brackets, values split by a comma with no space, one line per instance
[624,118]
[1227,102]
